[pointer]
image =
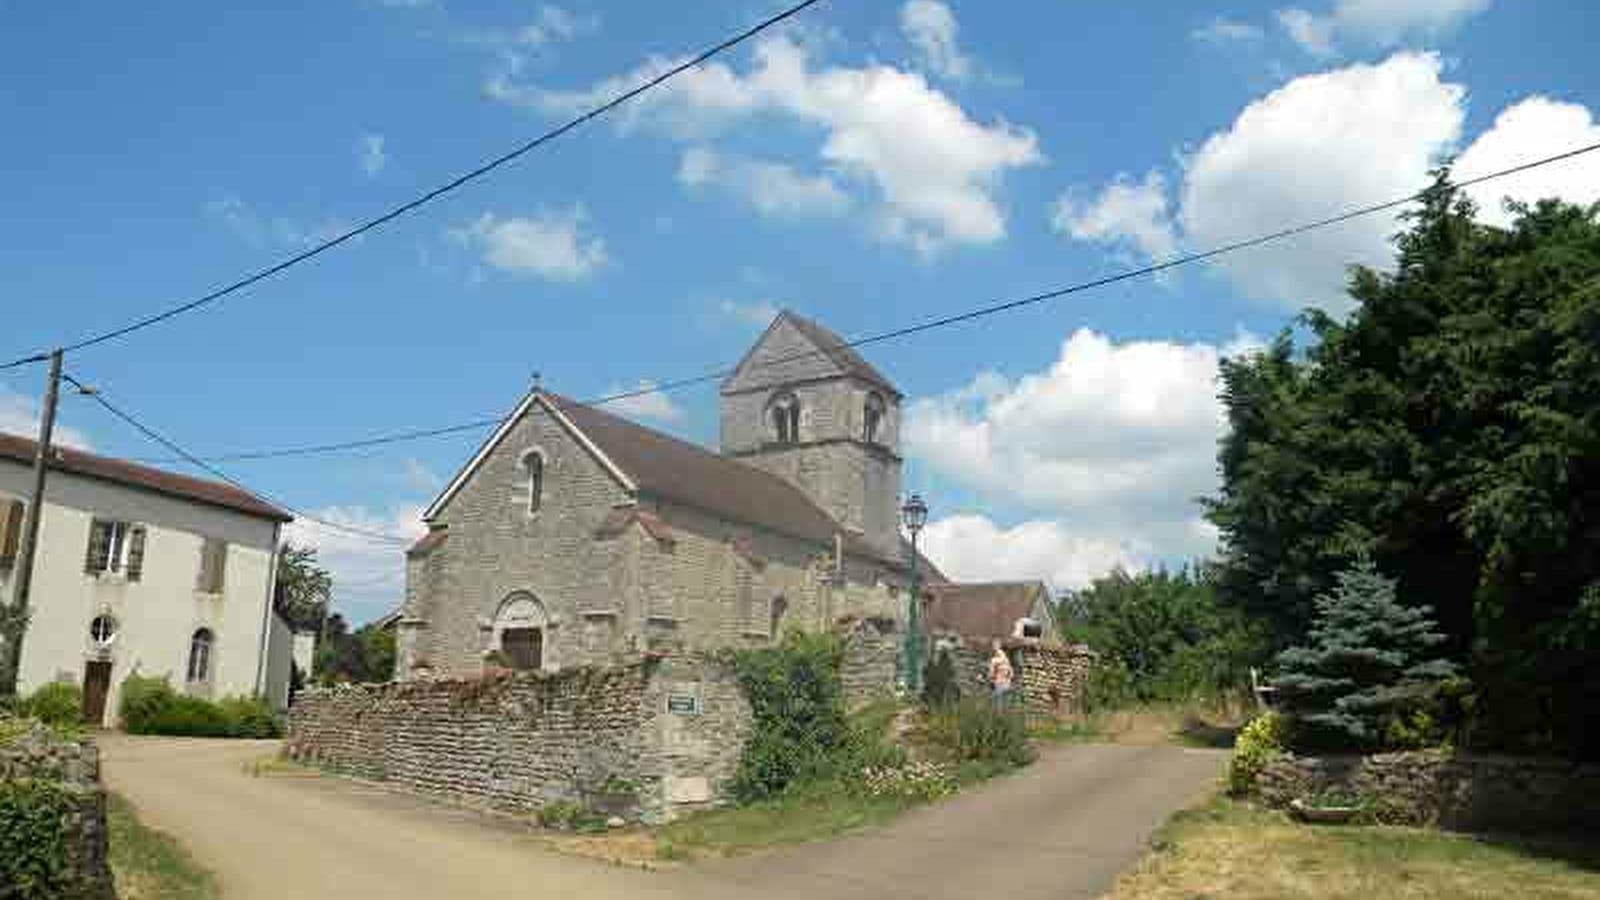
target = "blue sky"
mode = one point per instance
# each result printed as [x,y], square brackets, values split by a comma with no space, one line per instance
[873,165]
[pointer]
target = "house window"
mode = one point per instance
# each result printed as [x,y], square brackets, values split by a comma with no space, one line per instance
[784,413]
[523,648]
[533,463]
[115,547]
[12,513]
[200,656]
[103,630]
[872,418]
[213,566]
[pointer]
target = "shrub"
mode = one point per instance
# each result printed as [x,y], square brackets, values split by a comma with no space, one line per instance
[976,731]
[57,703]
[939,687]
[33,839]
[1259,743]
[1367,670]
[151,706]
[800,730]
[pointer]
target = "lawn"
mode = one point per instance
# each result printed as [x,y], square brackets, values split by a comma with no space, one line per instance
[1226,850]
[806,814]
[149,865]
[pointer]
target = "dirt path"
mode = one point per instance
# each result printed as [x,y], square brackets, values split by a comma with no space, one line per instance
[1063,828]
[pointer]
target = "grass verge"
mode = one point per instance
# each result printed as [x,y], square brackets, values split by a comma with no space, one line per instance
[149,864]
[804,813]
[1228,849]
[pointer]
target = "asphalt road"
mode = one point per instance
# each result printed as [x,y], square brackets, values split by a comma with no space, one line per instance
[1062,828]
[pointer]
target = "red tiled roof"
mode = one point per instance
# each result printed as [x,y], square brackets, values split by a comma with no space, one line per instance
[77,462]
[982,611]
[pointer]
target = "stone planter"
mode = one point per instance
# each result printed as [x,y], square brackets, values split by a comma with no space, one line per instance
[1323,815]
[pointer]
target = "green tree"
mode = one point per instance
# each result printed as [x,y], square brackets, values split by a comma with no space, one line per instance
[1166,630]
[303,588]
[1368,660]
[365,655]
[1449,428]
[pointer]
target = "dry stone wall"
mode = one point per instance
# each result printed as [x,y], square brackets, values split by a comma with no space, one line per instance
[670,730]
[1448,790]
[869,668]
[74,765]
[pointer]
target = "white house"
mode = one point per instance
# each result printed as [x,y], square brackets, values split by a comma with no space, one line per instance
[143,571]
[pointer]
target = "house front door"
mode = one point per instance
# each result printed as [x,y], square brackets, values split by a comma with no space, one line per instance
[96,684]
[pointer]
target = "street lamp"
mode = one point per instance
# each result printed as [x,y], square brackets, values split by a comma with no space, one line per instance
[914,515]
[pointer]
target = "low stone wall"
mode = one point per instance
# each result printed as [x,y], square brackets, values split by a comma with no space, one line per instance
[75,766]
[1451,791]
[672,730]
[1051,678]
[870,667]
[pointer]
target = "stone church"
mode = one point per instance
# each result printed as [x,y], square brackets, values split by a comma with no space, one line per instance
[577,537]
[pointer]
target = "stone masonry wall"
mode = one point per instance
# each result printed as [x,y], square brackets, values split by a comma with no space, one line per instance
[1451,791]
[672,728]
[1049,679]
[870,667]
[75,765]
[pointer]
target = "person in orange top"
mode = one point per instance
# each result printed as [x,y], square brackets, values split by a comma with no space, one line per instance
[1000,676]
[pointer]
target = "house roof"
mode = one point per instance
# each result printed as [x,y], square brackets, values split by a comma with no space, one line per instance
[77,462]
[647,461]
[984,610]
[673,469]
[835,348]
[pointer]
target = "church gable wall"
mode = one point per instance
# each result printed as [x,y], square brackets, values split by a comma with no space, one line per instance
[496,546]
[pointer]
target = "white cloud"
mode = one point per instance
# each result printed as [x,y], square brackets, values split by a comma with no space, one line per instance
[370,154]
[551,244]
[1222,31]
[931,28]
[773,189]
[1125,211]
[418,477]
[1108,448]
[652,404]
[1317,146]
[19,415]
[973,548]
[1377,23]
[932,171]
[369,576]
[248,223]
[1534,128]
[756,314]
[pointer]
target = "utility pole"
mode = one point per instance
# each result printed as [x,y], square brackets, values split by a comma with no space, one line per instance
[16,617]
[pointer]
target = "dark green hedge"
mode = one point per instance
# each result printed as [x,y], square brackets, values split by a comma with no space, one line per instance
[151,706]
[33,839]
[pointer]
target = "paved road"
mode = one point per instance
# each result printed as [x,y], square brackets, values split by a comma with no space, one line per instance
[1061,829]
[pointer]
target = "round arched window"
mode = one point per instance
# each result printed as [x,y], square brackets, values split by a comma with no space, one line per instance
[784,413]
[200,644]
[103,629]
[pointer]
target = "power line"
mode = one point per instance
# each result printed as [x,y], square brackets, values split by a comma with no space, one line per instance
[430,196]
[97,396]
[928,325]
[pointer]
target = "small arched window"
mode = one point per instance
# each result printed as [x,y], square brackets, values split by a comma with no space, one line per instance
[779,607]
[785,415]
[103,630]
[200,655]
[872,418]
[533,464]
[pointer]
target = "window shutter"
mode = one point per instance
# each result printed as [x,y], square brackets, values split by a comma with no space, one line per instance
[11,516]
[94,561]
[136,553]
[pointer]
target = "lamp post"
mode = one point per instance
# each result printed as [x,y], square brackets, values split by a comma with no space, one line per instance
[914,515]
